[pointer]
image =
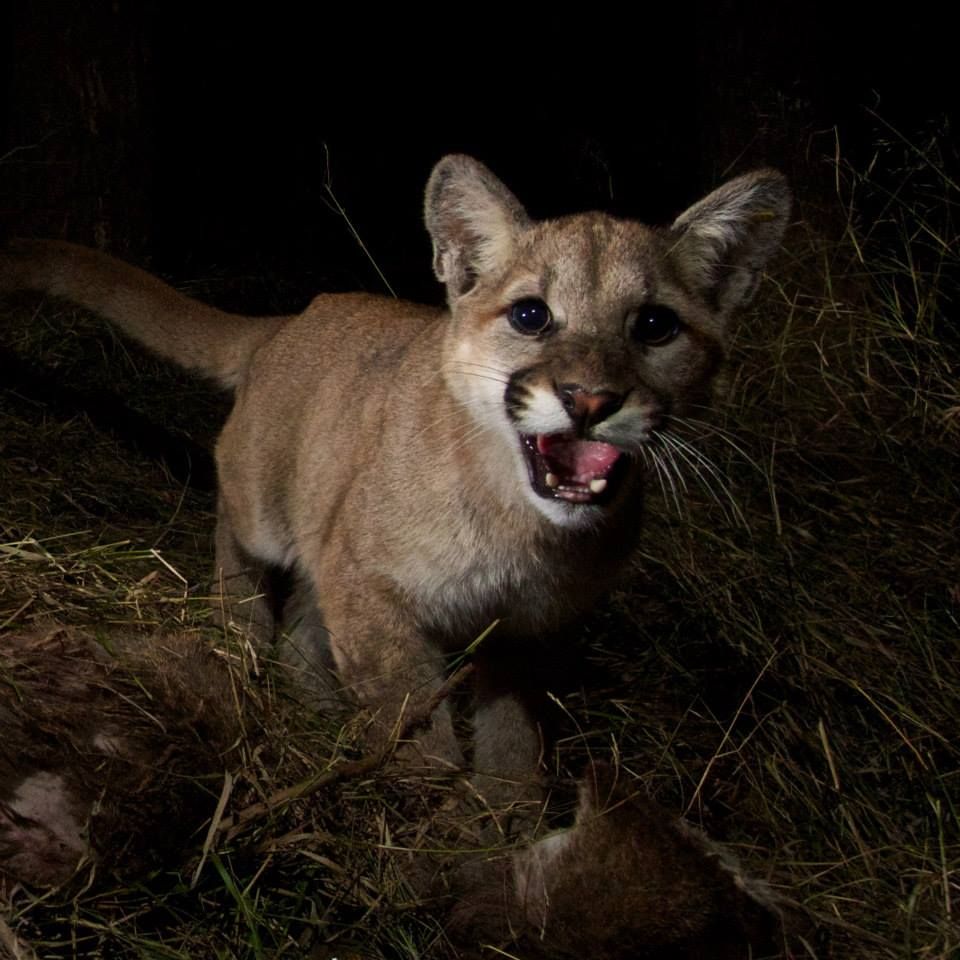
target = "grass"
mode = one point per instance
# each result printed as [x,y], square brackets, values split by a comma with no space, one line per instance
[781,664]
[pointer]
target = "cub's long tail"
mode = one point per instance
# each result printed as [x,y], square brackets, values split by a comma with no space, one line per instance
[192,334]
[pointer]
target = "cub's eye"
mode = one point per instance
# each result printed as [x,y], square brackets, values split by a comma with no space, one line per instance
[653,325]
[530,316]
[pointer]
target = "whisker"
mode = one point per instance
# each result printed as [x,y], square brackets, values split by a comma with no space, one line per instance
[705,470]
[468,437]
[666,476]
[481,376]
[648,453]
[457,412]
[668,448]
[483,366]
[698,460]
[708,429]
[482,370]
[457,366]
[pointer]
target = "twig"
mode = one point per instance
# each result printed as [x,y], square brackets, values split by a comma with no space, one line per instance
[727,733]
[347,769]
[328,186]
[11,946]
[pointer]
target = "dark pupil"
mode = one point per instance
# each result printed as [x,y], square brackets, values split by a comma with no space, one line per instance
[530,316]
[656,325]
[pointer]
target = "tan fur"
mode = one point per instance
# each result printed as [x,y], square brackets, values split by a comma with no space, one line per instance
[374,447]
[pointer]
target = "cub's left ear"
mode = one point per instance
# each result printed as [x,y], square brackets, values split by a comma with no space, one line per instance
[721,244]
[474,220]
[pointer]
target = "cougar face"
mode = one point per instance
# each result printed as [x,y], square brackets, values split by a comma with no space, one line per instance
[576,356]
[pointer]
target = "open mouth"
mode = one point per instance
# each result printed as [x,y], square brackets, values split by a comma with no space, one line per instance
[564,467]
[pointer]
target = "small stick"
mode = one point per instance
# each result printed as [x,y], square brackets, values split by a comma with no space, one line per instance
[12,946]
[347,769]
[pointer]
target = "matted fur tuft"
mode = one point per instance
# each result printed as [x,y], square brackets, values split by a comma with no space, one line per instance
[102,751]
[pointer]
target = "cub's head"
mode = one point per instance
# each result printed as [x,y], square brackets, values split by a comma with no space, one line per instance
[579,341]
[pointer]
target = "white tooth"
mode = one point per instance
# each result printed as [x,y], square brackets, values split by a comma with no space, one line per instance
[598,484]
[552,481]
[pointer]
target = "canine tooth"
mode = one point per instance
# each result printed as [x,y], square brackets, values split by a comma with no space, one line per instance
[598,484]
[552,481]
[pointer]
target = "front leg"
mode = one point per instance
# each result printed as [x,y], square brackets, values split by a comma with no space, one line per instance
[384,659]
[509,740]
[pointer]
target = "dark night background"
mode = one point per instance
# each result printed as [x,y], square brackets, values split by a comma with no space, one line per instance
[194,138]
[197,140]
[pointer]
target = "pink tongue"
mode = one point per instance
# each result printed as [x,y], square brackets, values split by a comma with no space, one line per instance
[581,459]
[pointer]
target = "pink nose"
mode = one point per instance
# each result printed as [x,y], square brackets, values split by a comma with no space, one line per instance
[587,407]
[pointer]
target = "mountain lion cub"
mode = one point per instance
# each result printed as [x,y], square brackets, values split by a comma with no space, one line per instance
[423,472]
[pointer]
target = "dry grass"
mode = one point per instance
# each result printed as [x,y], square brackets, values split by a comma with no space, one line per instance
[784,666]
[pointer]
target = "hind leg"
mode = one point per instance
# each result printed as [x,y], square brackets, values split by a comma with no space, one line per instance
[304,650]
[242,588]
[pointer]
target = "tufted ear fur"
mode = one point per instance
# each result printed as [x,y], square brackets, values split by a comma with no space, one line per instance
[721,244]
[474,222]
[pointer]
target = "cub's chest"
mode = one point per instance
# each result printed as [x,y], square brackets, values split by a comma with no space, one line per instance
[531,588]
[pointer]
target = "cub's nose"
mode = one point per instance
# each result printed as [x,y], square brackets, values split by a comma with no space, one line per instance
[588,407]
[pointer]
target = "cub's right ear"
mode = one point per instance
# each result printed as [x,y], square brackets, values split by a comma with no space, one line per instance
[721,244]
[474,222]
